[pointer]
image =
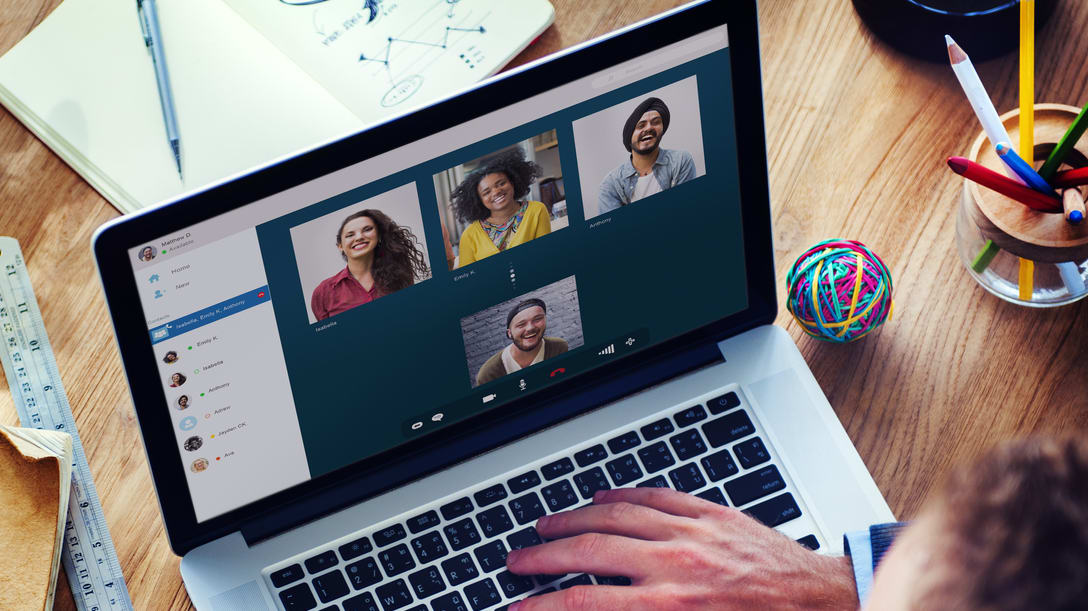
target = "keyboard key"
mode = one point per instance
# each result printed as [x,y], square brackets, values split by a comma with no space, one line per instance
[456,509]
[363,574]
[751,453]
[719,466]
[654,482]
[389,534]
[591,481]
[687,478]
[450,602]
[779,510]
[690,416]
[489,495]
[427,583]
[559,495]
[460,569]
[362,602]
[526,508]
[524,538]
[355,548]
[714,496]
[546,579]
[330,586]
[624,442]
[612,581]
[513,585]
[556,469]
[482,594]
[423,521]
[394,595]
[298,598]
[657,429]
[581,580]
[429,547]
[494,521]
[624,470]
[523,482]
[491,556]
[396,560]
[321,562]
[747,488]
[285,576]
[729,427]
[688,444]
[723,403]
[810,542]
[656,457]
[589,456]
[462,534]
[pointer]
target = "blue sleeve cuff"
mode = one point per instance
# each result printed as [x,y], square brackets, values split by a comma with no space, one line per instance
[858,547]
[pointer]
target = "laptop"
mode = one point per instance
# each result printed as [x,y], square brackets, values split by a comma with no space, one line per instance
[363,372]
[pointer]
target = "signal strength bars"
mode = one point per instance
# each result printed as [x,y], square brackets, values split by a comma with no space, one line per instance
[610,349]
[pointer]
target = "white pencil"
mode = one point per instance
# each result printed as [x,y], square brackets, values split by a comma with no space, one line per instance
[979,99]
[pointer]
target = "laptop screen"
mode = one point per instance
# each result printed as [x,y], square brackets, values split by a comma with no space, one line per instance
[382,302]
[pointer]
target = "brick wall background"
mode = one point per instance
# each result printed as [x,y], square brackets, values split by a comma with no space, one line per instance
[484,332]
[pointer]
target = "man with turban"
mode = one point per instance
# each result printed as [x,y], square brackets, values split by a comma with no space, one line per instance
[649,169]
[525,327]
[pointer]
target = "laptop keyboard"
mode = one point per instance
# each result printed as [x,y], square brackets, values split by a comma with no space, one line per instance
[453,558]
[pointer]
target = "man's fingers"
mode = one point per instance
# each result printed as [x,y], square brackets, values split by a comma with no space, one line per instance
[662,499]
[592,553]
[586,598]
[629,520]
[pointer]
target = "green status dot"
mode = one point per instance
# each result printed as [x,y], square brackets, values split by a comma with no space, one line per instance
[190,347]
[201,394]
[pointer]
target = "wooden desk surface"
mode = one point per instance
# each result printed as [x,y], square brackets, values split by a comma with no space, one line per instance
[857,137]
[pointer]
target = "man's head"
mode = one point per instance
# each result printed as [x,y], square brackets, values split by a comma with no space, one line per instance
[526,323]
[1009,532]
[644,128]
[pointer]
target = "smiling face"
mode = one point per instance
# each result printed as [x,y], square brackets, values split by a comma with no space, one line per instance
[176,379]
[527,328]
[496,192]
[647,135]
[358,238]
[147,254]
[183,401]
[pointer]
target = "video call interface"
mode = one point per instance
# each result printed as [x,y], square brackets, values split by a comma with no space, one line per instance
[507,263]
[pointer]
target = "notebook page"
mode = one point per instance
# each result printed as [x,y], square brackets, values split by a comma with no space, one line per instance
[84,82]
[384,57]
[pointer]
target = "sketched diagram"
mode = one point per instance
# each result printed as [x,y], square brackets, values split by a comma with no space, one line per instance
[398,41]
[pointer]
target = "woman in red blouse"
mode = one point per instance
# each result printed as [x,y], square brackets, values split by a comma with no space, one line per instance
[382,257]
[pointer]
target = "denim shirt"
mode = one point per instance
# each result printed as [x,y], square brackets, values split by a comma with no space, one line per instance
[671,168]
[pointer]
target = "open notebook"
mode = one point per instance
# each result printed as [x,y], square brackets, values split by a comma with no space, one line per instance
[253,80]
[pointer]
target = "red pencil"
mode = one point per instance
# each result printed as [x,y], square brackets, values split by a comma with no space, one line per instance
[1006,186]
[1070,178]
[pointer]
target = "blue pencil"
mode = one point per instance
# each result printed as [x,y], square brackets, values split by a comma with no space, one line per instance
[1023,170]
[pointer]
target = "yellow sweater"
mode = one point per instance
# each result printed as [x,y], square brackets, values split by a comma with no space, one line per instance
[476,245]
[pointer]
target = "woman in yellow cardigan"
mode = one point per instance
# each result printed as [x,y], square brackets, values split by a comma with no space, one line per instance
[490,199]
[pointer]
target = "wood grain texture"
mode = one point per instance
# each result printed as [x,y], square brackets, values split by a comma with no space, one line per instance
[857,137]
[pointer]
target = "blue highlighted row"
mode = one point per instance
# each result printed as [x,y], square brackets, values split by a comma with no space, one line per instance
[209,314]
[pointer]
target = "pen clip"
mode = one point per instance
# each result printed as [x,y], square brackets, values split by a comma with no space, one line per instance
[141,16]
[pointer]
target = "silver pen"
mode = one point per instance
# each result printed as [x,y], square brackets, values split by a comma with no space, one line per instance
[149,25]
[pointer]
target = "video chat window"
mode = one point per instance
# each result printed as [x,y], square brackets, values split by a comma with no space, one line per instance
[639,148]
[361,253]
[522,332]
[502,200]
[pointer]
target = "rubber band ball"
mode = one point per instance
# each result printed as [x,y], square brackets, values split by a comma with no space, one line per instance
[839,291]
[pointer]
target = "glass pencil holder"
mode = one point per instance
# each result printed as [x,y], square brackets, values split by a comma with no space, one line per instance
[1024,256]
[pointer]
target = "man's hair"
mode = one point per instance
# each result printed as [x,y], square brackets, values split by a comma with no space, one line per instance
[1017,522]
[521,173]
[525,305]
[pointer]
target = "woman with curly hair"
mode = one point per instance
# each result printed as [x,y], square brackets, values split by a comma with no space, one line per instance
[492,200]
[382,258]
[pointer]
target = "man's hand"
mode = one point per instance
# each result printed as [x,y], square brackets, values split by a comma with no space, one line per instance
[681,552]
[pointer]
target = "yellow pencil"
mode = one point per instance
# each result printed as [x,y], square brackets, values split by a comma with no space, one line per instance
[1027,117]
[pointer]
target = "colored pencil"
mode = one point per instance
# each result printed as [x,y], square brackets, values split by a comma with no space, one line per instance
[1073,204]
[1070,178]
[1066,144]
[1026,172]
[1005,186]
[1027,80]
[977,96]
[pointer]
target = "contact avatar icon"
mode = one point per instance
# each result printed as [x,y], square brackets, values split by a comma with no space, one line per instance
[187,424]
